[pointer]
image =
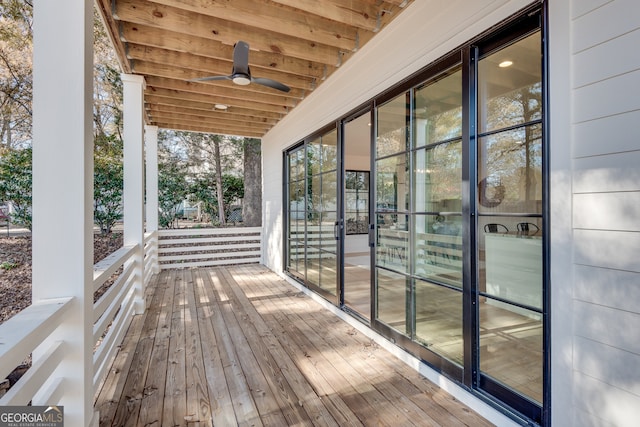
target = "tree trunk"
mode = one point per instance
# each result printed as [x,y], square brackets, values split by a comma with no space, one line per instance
[219,189]
[252,205]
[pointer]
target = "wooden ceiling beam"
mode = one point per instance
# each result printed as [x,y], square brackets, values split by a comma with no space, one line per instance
[242,106]
[256,127]
[262,15]
[353,12]
[209,67]
[190,23]
[232,115]
[252,91]
[177,99]
[199,105]
[216,93]
[155,37]
[203,128]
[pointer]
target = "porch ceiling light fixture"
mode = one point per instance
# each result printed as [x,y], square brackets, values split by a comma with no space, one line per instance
[221,107]
[506,63]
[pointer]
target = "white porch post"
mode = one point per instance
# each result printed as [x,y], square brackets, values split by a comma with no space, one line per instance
[63,189]
[133,117]
[151,151]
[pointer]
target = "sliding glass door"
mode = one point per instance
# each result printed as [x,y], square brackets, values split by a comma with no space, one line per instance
[425,216]
[313,225]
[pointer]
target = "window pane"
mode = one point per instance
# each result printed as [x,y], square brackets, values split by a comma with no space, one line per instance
[438,111]
[391,121]
[392,186]
[393,242]
[510,250]
[392,299]
[329,151]
[314,157]
[439,320]
[438,178]
[439,248]
[329,191]
[510,85]
[510,171]
[511,347]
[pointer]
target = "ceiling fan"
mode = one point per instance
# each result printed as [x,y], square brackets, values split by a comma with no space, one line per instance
[240,73]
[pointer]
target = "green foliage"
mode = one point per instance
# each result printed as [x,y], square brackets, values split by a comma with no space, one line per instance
[204,190]
[108,182]
[15,183]
[8,265]
[172,190]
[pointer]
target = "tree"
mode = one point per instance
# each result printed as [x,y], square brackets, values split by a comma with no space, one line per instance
[252,205]
[172,190]
[16,47]
[204,190]
[108,182]
[15,183]
[215,139]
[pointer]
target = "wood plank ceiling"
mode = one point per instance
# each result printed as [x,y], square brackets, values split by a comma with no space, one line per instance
[297,42]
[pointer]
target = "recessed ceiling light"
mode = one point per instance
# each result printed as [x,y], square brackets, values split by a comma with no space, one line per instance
[505,64]
[220,107]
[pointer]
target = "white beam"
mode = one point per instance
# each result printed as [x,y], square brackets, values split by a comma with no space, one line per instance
[151,152]
[133,135]
[63,188]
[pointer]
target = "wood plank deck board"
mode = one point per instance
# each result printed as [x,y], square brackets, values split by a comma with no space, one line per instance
[238,345]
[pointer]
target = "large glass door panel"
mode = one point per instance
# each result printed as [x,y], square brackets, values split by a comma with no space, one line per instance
[437,216]
[322,201]
[393,283]
[356,139]
[296,212]
[510,215]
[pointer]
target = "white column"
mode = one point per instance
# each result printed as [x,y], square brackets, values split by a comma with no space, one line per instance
[133,135]
[63,188]
[151,151]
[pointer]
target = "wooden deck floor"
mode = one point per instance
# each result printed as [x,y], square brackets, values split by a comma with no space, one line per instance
[240,346]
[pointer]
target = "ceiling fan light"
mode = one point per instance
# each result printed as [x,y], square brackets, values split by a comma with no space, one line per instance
[241,80]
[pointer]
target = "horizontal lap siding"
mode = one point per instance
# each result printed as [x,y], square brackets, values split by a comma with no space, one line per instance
[606,212]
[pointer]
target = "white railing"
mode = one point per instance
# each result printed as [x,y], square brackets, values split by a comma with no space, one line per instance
[20,336]
[113,311]
[202,247]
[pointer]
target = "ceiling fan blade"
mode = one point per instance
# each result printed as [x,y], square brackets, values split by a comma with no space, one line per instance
[271,83]
[241,59]
[210,78]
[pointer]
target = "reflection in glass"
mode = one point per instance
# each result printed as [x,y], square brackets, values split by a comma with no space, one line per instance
[392,186]
[329,151]
[392,244]
[392,290]
[510,171]
[511,347]
[391,122]
[439,320]
[510,93]
[438,176]
[438,110]
[329,191]
[356,202]
[438,248]
[314,156]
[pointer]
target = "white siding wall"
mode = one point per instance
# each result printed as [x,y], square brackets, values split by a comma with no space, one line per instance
[606,211]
